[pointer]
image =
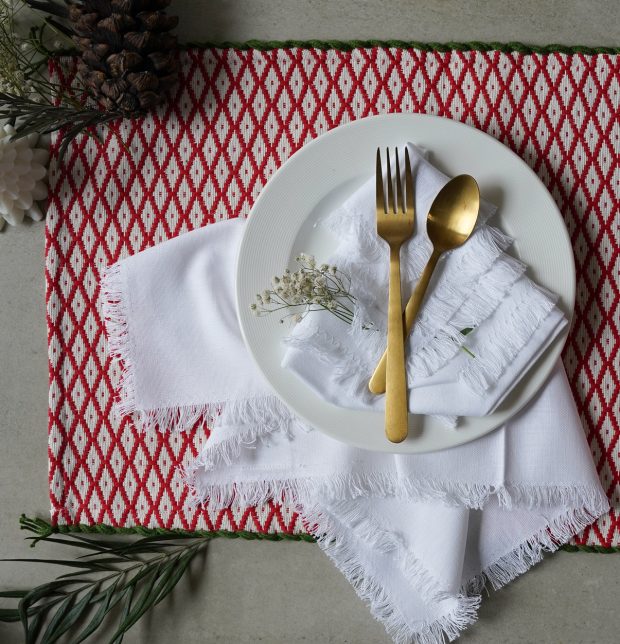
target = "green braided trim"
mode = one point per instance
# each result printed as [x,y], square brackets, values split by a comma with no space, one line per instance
[348,45]
[45,528]
[603,550]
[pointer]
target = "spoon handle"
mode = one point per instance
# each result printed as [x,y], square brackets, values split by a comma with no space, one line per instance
[377,382]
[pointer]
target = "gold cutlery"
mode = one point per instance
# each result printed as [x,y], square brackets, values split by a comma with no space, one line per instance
[395,219]
[450,222]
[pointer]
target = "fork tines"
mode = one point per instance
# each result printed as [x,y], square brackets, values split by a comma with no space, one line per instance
[398,200]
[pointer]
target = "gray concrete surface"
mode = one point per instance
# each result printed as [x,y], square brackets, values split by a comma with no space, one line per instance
[288,593]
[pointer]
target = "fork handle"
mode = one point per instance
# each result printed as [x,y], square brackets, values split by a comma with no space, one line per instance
[377,383]
[396,408]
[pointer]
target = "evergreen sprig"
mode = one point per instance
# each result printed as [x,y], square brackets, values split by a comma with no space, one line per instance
[42,118]
[130,576]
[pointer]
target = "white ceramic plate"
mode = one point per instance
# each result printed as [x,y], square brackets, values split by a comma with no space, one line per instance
[318,178]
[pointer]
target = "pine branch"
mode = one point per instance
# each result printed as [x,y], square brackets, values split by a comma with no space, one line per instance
[130,575]
[43,118]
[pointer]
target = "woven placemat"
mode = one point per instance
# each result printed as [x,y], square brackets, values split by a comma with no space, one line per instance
[240,111]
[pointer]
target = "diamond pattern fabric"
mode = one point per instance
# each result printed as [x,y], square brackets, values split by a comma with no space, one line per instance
[236,117]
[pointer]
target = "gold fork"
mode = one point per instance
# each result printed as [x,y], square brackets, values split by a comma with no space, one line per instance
[395,225]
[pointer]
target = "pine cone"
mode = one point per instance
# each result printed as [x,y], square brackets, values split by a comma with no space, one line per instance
[128,57]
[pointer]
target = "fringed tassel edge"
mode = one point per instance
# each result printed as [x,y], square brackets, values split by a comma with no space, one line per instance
[558,532]
[115,308]
[239,424]
[347,370]
[351,486]
[491,290]
[337,543]
[588,503]
[498,342]
[334,536]
[115,313]
[485,275]
[251,427]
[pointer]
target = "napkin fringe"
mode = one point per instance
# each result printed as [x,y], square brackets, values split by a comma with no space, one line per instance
[460,281]
[115,309]
[255,420]
[357,235]
[335,539]
[345,366]
[334,527]
[506,333]
[257,412]
[340,526]
[252,420]
[115,312]
[468,270]
[322,525]
[371,485]
[531,497]
[558,531]
[490,291]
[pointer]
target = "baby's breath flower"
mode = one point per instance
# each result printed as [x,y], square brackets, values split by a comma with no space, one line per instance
[308,287]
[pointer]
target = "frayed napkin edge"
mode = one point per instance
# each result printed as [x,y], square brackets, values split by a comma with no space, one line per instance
[588,503]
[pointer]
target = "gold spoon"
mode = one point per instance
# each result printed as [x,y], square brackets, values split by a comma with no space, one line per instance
[451,220]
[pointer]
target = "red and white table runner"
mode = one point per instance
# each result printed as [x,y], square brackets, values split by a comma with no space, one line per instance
[237,116]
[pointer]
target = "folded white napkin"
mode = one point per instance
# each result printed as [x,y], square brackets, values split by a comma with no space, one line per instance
[477,286]
[415,535]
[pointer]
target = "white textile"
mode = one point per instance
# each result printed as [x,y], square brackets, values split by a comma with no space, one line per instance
[415,535]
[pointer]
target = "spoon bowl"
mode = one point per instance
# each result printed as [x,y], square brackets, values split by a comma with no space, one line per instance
[453,213]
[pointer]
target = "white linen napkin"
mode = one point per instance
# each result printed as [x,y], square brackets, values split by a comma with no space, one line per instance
[477,286]
[418,536]
[415,535]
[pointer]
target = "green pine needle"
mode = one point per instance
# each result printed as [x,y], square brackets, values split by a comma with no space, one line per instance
[466,331]
[32,117]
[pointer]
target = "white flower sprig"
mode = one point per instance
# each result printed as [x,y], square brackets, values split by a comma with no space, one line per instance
[310,288]
[25,45]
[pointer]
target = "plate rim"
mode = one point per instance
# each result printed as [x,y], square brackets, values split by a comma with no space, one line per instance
[557,345]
